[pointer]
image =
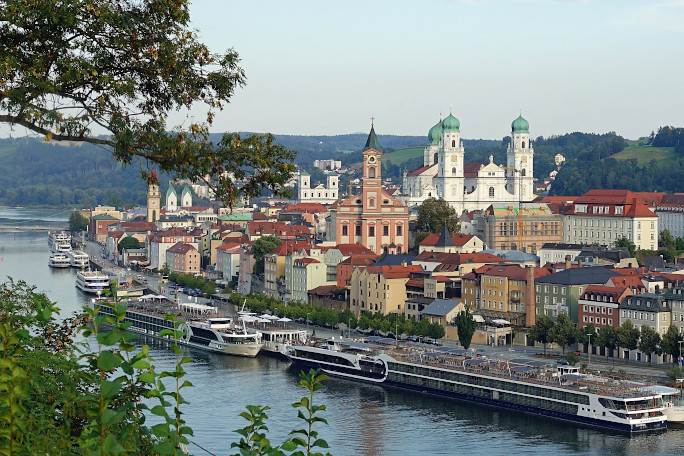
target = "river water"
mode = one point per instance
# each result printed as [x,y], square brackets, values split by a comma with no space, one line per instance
[363,419]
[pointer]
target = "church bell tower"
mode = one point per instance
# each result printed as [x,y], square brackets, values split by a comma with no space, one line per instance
[153,197]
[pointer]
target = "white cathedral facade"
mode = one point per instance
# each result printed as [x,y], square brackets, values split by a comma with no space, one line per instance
[471,186]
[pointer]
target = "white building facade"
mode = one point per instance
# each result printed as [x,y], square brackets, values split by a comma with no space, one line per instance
[471,186]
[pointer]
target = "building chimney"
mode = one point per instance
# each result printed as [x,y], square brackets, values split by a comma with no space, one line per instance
[530,304]
[567,261]
[579,262]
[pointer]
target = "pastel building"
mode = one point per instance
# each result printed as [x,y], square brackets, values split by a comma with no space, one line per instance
[372,217]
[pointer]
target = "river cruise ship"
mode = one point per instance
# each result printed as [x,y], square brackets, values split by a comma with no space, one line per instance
[202,327]
[59,260]
[56,238]
[93,282]
[78,259]
[530,386]
[276,333]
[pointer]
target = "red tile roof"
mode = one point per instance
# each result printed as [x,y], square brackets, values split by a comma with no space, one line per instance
[305,261]
[395,271]
[608,200]
[511,271]
[471,169]
[358,261]
[420,170]
[311,208]
[459,239]
[180,247]
[355,250]
[323,290]
[289,247]
[228,246]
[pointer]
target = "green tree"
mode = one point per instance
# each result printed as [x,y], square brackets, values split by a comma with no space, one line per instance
[111,73]
[465,325]
[626,244]
[666,240]
[628,336]
[261,247]
[607,338]
[77,222]
[563,331]
[129,242]
[670,343]
[434,213]
[649,342]
[542,331]
[572,358]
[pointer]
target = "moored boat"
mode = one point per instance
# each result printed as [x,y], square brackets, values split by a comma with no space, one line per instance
[93,282]
[530,386]
[59,260]
[275,335]
[202,328]
[78,259]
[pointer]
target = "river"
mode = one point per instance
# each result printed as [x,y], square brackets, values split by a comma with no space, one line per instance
[363,419]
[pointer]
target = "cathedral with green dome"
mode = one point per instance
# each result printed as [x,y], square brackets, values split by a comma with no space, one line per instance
[471,186]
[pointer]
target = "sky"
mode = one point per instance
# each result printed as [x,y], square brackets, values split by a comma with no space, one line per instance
[325,68]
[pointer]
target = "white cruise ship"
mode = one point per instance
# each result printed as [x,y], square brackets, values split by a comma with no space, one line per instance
[94,282]
[78,259]
[58,237]
[59,260]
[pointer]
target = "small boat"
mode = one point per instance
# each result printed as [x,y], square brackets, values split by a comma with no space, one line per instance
[93,282]
[59,260]
[673,403]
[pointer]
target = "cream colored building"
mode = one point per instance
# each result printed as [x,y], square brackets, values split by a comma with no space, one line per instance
[380,289]
[604,216]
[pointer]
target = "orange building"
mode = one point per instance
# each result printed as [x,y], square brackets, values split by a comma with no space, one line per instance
[372,218]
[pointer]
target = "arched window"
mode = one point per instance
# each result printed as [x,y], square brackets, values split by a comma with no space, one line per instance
[523,145]
[453,170]
[522,173]
[154,216]
[453,143]
[436,157]
[398,250]
[429,193]
[371,172]
[491,192]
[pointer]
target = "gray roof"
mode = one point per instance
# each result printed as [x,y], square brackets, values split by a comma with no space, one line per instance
[393,260]
[440,307]
[579,276]
[445,238]
[512,255]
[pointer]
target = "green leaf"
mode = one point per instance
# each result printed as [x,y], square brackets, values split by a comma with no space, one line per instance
[110,417]
[146,377]
[108,361]
[111,446]
[110,388]
[320,443]
[161,430]
[108,338]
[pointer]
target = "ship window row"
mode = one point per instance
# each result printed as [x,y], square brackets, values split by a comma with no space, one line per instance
[474,391]
[339,360]
[488,382]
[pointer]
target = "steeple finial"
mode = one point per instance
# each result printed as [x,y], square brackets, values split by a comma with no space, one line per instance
[373,120]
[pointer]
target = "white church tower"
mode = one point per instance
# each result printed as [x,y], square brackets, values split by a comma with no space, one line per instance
[520,157]
[450,178]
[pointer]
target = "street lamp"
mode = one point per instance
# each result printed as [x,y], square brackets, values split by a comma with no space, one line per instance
[680,342]
[307,322]
[589,336]
[349,328]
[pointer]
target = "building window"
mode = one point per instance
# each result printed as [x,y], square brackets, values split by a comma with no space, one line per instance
[453,143]
[358,230]
[371,231]
[371,172]
[491,192]
[344,230]
[398,230]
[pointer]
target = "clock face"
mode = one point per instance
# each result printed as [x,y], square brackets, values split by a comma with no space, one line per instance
[371,159]
[523,159]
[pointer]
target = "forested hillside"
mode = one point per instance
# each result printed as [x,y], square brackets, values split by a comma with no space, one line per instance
[33,172]
[596,168]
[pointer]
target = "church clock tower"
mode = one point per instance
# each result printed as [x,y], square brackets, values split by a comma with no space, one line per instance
[153,197]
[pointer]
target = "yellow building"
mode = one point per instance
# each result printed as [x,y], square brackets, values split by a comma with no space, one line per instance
[380,288]
[539,226]
[500,291]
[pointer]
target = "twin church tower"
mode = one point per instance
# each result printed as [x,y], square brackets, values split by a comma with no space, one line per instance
[472,186]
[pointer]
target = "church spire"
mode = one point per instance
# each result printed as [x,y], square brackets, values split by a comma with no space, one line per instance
[445,238]
[372,141]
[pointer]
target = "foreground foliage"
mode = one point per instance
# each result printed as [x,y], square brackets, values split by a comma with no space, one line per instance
[66,398]
[111,72]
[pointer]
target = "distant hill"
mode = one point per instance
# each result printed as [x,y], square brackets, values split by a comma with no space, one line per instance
[645,154]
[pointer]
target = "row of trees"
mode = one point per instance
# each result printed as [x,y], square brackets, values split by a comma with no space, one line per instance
[191,281]
[627,336]
[319,315]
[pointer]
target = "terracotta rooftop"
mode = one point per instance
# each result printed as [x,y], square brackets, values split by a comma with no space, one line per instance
[180,247]
[459,240]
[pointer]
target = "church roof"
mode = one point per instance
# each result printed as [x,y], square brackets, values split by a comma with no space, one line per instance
[372,141]
[170,191]
[471,169]
[444,238]
[520,125]
[435,134]
[421,170]
[451,123]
